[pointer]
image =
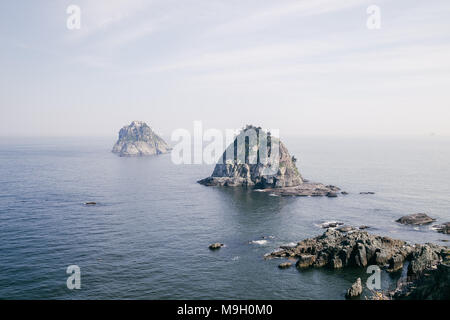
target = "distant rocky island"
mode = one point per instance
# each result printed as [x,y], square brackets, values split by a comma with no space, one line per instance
[283,179]
[138,139]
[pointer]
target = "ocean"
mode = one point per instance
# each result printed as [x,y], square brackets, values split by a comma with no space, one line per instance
[148,235]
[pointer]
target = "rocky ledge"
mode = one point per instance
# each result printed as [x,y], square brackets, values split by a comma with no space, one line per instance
[443,228]
[416,219]
[337,249]
[138,139]
[248,162]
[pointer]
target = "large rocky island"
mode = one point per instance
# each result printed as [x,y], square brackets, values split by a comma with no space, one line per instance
[282,179]
[138,139]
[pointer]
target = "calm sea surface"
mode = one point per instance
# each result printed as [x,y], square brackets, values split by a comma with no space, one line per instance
[148,236]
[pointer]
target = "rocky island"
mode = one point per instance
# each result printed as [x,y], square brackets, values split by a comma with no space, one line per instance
[138,139]
[264,165]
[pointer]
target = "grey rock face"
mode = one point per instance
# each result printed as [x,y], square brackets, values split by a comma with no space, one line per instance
[355,290]
[424,257]
[416,219]
[138,139]
[246,163]
[433,282]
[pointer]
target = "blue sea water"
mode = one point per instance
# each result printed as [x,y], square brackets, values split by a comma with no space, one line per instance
[148,236]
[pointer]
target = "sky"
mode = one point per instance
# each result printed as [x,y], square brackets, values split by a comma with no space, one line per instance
[301,66]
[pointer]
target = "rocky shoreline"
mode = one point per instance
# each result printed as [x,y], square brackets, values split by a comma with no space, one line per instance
[428,264]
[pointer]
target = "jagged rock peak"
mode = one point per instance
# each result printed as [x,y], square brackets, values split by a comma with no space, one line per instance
[256,159]
[138,139]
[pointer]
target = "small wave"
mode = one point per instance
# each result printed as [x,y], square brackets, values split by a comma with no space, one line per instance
[330,224]
[289,245]
[260,242]
[235,258]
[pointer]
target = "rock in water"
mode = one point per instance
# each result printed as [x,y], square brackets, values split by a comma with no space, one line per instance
[355,290]
[284,265]
[215,246]
[443,228]
[416,219]
[258,160]
[246,162]
[138,139]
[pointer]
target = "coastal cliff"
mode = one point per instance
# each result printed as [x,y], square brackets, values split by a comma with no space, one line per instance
[138,139]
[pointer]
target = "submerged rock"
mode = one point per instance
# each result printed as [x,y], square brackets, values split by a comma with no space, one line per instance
[355,290]
[138,139]
[415,219]
[332,194]
[257,160]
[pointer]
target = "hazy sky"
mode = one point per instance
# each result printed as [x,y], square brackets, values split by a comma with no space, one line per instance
[303,66]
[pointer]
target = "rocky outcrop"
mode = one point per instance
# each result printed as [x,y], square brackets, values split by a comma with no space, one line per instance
[433,282]
[339,249]
[257,160]
[138,139]
[443,228]
[428,269]
[416,219]
[356,248]
[355,290]
[249,162]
